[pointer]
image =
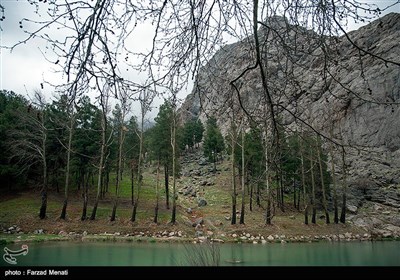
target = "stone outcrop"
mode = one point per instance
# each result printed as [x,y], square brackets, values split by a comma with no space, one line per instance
[354,93]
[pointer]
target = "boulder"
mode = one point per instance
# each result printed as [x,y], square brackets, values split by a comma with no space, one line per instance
[351,209]
[198,221]
[201,201]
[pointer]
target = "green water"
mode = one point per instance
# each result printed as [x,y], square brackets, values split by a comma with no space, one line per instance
[155,254]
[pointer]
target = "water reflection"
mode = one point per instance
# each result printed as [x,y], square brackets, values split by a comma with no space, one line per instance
[144,254]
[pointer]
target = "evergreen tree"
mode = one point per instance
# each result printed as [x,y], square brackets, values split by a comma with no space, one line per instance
[160,142]
[213,141]
[192,133]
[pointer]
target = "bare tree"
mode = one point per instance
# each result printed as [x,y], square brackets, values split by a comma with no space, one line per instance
[103,100]
[70,128]
[174,157]
[157,191]
[29,141]
[243,179]
[146,97]
[321,173]
[124,101]
[344,187]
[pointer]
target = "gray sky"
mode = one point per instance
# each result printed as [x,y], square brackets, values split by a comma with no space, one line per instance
[24,69]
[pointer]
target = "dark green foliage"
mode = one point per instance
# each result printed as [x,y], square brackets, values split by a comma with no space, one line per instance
[86,140]
[213,140]
[11,105]
[131,144]
[253,152]
[192,133]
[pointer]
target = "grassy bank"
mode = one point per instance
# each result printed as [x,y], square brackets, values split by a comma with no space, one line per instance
[21,210]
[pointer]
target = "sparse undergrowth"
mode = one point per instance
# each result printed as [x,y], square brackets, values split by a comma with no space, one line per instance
[21,211]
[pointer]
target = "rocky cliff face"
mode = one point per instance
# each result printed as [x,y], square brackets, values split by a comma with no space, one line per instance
[355,94]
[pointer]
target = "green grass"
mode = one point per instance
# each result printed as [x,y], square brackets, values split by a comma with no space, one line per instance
[22,210]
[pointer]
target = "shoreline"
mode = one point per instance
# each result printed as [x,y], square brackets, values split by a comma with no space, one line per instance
[115,238]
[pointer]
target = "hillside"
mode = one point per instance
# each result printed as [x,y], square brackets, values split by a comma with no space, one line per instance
[353,93]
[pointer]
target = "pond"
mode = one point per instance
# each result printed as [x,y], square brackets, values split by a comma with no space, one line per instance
[385,253]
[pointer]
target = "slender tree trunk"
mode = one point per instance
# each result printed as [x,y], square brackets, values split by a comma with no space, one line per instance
[294,194]
[243,186]
[166,177]
[107,180]
[321,173]
[64,209]
[132,184]
[157,193]
[173,143]
[314,209]
[233,176]
[101,163]
[102,191]
[303,182]
[282,203]
[140,164]
[268,217]
[258,194]
[344,190]
[251,197]
[43,207]
[298,198]
[55,180]
[335,199]
[119,167]
[85,197]
[215,161]
[78,179]
[278,192]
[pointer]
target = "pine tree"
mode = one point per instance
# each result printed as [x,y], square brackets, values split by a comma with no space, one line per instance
[213,141]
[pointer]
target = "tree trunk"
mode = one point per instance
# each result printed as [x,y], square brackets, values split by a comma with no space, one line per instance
[251,197]
[335,198]
[114,211]
[268,217]
[101,163]
[85,197]
[303,181]
[258,194]
[215,160]
[157,192]
[107,180]
[64,209]
[43,207]
[335,202]
[119,165]
[233,177]
[243,186]
[166,177]
[298,198]
[344,190]
[140,164]
[132,185]
[173,143]
[314,209]
[281,188]
[294,194]
[321,174]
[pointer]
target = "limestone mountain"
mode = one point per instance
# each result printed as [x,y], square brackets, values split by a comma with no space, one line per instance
[347,88]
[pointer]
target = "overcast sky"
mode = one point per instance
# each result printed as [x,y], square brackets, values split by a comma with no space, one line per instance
[24,69]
